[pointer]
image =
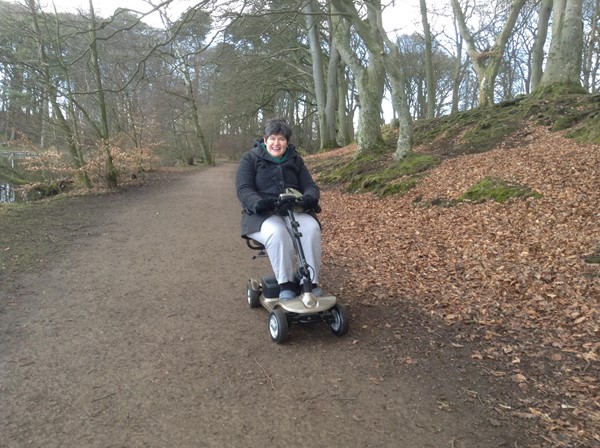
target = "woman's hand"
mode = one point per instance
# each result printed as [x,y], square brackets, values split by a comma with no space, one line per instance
[309,202]
[263,206]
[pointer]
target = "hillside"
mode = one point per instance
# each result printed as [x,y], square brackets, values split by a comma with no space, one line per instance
[518,278]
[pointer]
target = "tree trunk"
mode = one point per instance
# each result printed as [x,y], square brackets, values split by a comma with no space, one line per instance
[370,86]
[537,54]
[457,71]
[400,101]
[565,58]
[369,77]
[200,138]
[393,65]
[111,172]
[329,138]
[317,68]
[43,117]
[345,115]
[431,89]
[592,45]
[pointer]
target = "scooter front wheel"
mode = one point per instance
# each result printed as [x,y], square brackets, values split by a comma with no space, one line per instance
[278,325]
[341,320]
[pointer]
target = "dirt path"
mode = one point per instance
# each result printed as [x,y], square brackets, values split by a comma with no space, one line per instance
[138,334]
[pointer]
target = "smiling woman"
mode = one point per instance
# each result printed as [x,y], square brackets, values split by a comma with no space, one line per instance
[271,167]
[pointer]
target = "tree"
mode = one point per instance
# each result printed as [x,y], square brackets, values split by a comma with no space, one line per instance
[384,57]
[537,55]
[187,37]
[265,48]
[486,62]
[412,49]
[591,63]
[51,95]
[86,70]
[428,61]
[565,56]
[369,75]
[312,28]
[103,131]
[335,78]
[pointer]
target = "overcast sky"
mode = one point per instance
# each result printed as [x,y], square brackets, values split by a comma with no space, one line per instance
[402,17]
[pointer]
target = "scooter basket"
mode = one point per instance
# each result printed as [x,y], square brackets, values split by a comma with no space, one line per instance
[270,287]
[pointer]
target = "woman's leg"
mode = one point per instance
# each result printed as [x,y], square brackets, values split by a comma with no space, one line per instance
[275,236]
[311,243]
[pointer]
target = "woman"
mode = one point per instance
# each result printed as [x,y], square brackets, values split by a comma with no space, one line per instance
[271,166]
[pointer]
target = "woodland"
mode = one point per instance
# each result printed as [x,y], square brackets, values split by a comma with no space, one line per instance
[478,187]
[95,100]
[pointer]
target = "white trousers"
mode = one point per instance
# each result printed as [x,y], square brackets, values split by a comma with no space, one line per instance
[275,235]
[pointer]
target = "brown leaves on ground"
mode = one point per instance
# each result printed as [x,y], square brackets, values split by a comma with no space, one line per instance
[516,271]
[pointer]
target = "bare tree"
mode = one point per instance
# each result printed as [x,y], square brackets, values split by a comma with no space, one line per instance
[431,90]
[486,62]
[457,73]
[111,172]
[565,56]
[384,57]
[369,75]
[187,42]
[335,78]
[591,46]
[537,55]
[312,27]
[51,93]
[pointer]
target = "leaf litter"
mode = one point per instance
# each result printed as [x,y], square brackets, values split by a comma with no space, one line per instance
[513,275]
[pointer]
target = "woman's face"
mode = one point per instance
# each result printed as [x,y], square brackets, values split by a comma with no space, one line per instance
[276,145]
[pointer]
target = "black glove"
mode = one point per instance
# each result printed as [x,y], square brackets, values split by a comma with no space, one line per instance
[309,202]
[263,206]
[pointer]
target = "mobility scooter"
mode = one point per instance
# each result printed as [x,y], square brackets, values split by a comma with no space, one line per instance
[305,307]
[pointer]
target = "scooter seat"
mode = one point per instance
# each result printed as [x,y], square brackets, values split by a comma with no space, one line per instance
[253,244]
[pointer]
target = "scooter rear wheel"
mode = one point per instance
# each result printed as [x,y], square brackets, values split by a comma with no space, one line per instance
[253,296]
[341,320]
[278,325]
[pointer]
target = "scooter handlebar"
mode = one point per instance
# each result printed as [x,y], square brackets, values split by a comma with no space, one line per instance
[287,200]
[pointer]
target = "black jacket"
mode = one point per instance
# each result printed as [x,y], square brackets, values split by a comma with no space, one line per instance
[259,176]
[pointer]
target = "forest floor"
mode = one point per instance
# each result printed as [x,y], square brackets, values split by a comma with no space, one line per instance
[515,284]
[124,322]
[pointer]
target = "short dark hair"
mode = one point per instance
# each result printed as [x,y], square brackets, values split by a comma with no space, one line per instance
[278,126]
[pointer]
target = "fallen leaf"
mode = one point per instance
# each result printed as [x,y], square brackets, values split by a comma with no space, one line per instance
[519,378]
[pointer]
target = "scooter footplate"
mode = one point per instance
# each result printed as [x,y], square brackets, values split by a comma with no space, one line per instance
[297,306]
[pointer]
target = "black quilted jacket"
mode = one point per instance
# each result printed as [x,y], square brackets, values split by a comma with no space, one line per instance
[259,176]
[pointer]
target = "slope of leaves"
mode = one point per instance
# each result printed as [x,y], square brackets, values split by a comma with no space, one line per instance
[513,275]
